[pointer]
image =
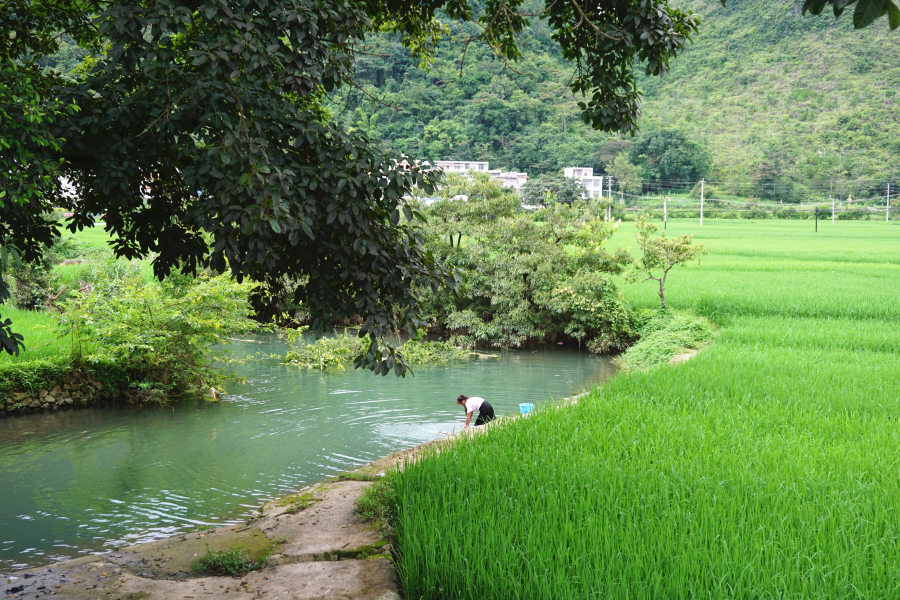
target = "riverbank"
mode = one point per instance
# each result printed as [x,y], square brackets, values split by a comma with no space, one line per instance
[78,481]
[310,544]
[305,545]
[52,384]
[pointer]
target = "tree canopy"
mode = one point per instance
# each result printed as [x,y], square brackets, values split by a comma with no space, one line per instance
[198,129]
[669,158]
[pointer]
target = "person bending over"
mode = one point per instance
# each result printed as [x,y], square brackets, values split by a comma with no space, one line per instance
[485,410]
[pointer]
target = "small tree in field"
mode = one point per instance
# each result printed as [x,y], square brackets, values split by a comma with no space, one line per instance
[660,254]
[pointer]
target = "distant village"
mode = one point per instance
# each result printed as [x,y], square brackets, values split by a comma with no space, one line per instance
[584,176]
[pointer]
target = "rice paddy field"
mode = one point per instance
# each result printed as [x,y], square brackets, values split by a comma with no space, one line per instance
[766,467]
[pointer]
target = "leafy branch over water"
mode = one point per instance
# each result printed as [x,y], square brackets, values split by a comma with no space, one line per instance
[336,352]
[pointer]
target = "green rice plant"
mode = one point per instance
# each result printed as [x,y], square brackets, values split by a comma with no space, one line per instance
[784,268]
[378,501]
[665,335]
[765,467]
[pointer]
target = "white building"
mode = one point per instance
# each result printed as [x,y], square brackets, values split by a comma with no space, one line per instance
[509,179]
[461,167]
[593,185]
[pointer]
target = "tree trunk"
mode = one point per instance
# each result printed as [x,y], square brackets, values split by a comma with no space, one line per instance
[662,291]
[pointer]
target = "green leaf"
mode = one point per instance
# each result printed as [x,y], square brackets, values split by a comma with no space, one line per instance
[867,11]
[814,7]
[893,15]
[839,5]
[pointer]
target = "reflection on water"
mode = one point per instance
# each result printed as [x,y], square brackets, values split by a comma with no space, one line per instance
[87,480]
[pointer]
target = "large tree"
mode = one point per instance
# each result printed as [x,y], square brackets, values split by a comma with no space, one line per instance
[668,158]
[197,129]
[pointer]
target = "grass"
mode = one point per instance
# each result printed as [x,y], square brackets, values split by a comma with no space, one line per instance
[229,562]
[95,237]
[41,337]
[663,336]
[301,502]
[766,467]
[377,503]
[42,340]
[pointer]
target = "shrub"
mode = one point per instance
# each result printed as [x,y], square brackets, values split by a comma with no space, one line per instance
[850,215]
[33,284]
[709,192]
[327,352]
[787,213]
[162,340]
[752,212]
[593,310]
[335,352]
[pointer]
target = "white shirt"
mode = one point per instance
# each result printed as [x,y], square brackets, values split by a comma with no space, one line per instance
[474,403]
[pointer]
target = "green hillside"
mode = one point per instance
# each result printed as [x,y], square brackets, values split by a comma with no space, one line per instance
[791,98]
[790,107]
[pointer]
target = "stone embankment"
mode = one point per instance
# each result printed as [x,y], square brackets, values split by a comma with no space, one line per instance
[53,397]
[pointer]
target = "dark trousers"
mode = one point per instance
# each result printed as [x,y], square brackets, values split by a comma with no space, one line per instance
[485,414]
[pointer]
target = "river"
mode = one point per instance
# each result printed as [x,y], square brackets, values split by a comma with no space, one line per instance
[81,481]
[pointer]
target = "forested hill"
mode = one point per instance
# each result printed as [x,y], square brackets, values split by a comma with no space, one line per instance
[805,105]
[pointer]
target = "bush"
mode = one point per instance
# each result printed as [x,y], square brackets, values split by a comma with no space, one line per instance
[709,192]
[160,338]
[593,310]
[327,352]
[787,213]
[755,213]
[850,215]
[32,285]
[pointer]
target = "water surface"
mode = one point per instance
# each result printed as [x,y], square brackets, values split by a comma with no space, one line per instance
[84,481]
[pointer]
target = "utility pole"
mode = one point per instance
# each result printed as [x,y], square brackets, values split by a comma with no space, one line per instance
[665,213]
[702,189]
[887,213]
[832,210]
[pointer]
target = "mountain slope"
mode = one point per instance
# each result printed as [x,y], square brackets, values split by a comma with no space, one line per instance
[789,106]
[800,100]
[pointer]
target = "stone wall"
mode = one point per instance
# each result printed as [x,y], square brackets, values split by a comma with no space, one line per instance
[59,395]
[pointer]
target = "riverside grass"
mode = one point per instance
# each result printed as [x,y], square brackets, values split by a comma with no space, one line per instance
[766,467]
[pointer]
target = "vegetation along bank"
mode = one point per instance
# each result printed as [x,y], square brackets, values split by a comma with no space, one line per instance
[110,331]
